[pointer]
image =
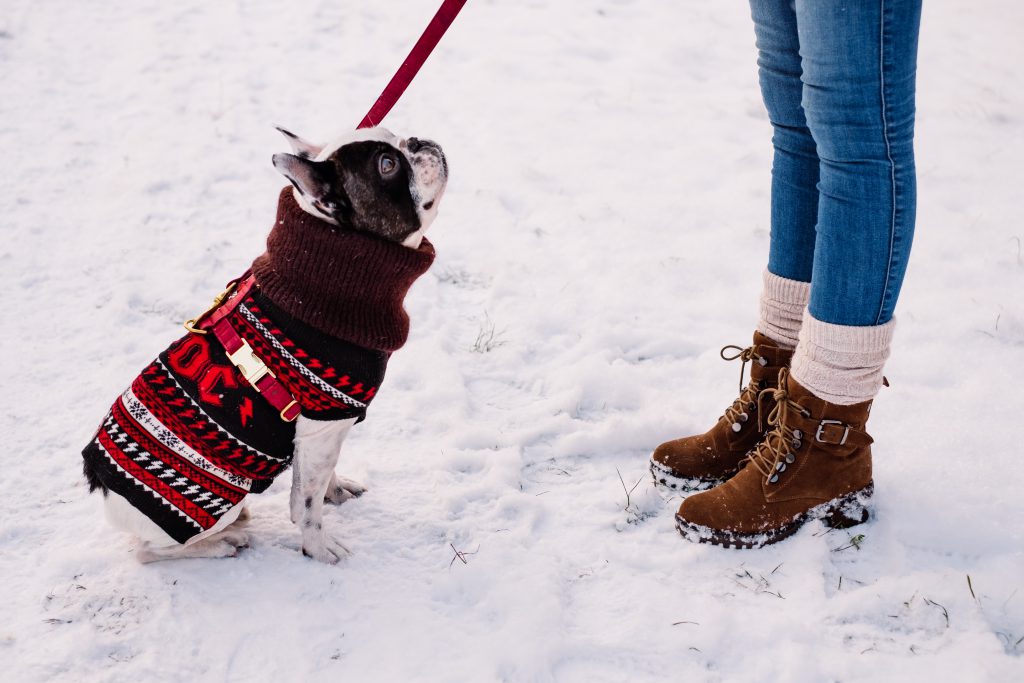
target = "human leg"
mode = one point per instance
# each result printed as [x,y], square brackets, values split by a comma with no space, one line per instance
[859,67]
[705,460]
[858,70]
[795,163]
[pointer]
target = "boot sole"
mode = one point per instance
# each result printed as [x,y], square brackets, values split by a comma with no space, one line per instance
[665,477]
[840,513]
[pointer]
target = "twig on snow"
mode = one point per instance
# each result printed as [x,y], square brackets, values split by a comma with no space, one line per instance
[461,555]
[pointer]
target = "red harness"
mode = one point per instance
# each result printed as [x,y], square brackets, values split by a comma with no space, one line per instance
[252,367]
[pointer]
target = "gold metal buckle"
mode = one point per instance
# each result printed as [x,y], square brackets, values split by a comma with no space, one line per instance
[285,409]
[253,369]
[193,324]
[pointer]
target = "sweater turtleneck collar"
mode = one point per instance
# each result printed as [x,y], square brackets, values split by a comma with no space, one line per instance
[347,284]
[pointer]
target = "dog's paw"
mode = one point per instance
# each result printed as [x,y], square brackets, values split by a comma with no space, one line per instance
[325,549]
[235,537]
[342,489]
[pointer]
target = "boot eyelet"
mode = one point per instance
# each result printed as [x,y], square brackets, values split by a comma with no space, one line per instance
[797,443]
[744,417]
[780,466]
[774,479]
[736,426]
[797,434]
[752,407]
[762,361]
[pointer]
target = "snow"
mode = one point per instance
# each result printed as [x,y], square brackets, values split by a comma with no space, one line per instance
[603,235]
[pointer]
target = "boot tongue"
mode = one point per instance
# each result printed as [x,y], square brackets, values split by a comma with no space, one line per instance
[763,340]
[775,357]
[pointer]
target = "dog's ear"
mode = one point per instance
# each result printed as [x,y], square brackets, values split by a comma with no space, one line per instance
[302,148]
[318,184]
[315,180]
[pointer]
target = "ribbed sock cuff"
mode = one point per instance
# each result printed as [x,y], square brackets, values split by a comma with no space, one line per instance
[783,302]
[841,364]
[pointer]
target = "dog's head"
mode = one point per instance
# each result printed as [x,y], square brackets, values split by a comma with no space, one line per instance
[369,180]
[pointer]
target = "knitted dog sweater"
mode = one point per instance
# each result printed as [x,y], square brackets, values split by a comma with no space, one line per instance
[190,438]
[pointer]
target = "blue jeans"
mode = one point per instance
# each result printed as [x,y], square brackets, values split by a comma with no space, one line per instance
[838,77]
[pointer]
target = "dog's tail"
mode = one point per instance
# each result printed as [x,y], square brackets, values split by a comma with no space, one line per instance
[89,460]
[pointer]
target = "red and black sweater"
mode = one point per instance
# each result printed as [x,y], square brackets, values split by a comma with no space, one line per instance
[190,438]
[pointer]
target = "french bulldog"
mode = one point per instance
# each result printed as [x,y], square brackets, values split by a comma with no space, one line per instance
[195,434]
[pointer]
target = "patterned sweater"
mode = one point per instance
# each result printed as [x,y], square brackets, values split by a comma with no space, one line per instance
[190,438]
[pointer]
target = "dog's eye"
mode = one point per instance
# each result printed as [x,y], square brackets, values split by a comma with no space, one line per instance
[388,165]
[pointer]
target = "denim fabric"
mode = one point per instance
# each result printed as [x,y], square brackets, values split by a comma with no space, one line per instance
[838,78]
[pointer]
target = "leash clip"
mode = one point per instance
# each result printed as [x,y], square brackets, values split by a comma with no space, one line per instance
[193,324]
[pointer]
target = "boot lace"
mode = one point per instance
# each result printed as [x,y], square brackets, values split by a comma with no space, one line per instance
[775,451]
[739,411]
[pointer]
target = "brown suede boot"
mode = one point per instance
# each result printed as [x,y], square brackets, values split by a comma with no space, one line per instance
[815,463]
[700,462]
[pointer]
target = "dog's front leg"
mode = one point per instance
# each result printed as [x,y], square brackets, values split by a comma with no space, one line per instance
[317,445]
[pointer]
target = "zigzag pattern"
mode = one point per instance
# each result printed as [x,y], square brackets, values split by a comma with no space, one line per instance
[313,377]
[170,404]
[162,479]
[144,449]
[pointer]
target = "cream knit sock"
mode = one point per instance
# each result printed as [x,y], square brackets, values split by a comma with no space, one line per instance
[841,364]
[782,307]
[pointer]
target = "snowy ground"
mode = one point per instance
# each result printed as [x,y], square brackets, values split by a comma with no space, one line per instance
[603,235]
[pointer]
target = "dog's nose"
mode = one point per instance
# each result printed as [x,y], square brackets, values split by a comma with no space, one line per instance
[415,145]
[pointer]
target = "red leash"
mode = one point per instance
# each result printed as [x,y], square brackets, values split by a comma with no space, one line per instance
[411,66]
[215,318]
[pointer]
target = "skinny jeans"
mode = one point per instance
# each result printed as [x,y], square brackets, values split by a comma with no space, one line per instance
[838,81]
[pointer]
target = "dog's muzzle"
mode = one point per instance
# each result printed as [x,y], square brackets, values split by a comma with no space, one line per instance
[418,147]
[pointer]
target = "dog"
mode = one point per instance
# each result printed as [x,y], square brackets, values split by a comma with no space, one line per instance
[310,327]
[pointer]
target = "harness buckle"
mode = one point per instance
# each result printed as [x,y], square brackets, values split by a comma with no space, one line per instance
[253,369]
[821,428]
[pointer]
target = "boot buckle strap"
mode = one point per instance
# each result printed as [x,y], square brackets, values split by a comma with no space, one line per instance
[823,425]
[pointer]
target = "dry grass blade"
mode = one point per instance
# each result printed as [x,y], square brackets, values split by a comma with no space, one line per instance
[628,491]
[945,612]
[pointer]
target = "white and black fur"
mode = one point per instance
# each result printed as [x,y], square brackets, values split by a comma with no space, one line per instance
[336,182]
[368,180]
